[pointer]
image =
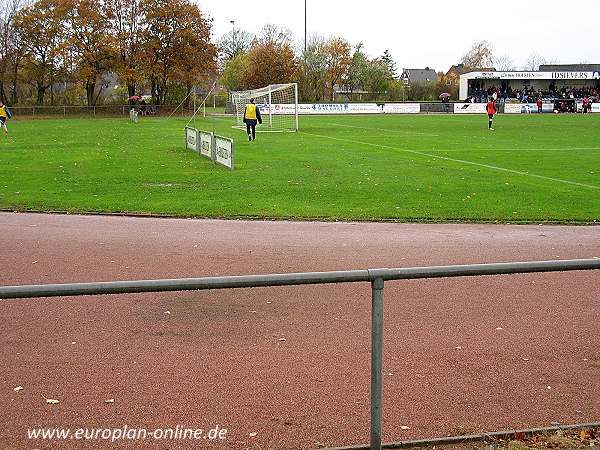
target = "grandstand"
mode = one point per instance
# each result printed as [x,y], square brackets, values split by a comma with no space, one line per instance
[552,82]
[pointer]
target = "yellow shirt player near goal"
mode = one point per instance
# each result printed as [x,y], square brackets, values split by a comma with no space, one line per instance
[251,116]
[4,116]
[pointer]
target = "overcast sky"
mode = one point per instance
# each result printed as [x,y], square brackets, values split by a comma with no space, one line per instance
[430,33]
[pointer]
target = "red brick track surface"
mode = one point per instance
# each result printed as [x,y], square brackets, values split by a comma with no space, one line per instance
[460,354]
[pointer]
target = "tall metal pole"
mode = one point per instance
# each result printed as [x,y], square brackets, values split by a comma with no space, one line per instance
[376,361]
[305,26]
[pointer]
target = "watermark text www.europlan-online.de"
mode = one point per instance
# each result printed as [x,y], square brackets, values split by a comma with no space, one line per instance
[128,433]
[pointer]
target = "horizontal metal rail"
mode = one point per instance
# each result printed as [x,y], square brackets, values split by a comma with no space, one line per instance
[376,277]
[289,279]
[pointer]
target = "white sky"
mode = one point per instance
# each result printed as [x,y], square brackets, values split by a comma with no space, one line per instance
[432,33]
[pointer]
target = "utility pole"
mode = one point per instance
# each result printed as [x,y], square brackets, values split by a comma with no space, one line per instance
[304,26]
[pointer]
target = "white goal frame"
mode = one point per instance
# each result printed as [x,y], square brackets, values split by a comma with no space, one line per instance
[278,102]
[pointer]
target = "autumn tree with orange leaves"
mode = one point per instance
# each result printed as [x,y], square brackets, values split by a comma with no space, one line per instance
[42,36]
[90,43]
[270,60]
[176,43]
[337,62]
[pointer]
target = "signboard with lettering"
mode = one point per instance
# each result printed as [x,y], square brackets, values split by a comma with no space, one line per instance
[224,151]
[191,139]
[206,144]
[533,75]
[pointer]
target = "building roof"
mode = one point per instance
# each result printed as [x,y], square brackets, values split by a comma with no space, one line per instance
[461,69]
[415,75]
[570,68]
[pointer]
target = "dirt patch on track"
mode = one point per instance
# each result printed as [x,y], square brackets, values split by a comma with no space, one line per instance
[488,353]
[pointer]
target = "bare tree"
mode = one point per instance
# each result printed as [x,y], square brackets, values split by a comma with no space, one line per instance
[504,63]
[481,55]
[273,35]
[233,43]
[534,61]
[11,48]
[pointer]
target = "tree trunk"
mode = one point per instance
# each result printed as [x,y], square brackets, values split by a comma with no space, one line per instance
[131,88]
[90,87]
[2,92]
[41,91]
[13,94]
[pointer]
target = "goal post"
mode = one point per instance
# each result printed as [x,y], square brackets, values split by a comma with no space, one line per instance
[278,105]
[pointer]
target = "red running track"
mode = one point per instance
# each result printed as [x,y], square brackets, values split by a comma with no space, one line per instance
[462,354]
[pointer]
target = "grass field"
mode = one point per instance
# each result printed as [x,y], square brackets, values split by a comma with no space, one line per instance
[410,168]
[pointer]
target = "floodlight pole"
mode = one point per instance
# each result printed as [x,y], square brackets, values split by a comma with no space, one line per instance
[304,26]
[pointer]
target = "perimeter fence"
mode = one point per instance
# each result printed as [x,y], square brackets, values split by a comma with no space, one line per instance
[47,112]
[376,277]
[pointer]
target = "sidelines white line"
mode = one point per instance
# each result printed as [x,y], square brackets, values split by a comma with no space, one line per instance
[416,133]
[521,149]
[462,161]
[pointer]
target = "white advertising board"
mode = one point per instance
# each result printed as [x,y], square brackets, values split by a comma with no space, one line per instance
[191,139]
[512,108]
[321,108]
[206,144]
[596,107]
[224,151]
[364,108]
[402,108]
[470,108]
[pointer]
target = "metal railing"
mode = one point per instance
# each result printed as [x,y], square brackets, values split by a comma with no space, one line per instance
[376,277]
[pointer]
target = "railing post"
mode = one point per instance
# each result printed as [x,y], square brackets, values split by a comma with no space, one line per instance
[376,361]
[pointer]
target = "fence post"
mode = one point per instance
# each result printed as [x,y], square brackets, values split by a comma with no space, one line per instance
[376,361]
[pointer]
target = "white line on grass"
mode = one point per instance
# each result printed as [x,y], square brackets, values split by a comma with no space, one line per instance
[462,161]
[416,133]
[513,149]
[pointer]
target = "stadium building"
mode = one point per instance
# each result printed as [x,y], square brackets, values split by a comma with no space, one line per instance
[551,82]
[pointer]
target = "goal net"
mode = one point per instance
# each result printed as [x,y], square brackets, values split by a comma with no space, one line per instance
[278,105]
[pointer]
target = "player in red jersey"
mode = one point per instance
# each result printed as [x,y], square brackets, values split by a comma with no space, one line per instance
[491,110]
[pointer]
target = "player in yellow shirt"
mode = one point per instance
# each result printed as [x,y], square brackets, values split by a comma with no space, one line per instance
[4,115]
[251,116]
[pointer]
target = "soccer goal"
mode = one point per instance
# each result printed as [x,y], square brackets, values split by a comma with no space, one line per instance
[278,104]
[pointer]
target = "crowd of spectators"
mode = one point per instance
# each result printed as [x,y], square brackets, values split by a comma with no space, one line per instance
[530,95]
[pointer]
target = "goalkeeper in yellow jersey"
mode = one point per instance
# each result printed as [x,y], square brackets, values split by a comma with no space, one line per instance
[4,116]
[251,117]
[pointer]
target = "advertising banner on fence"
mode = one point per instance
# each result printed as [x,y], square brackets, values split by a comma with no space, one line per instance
[596,107]
[527,108]
[512,108]
[364,108]
[320,108]
[206,144]
[402,108]
[224,151]
[191,139]
[470,108]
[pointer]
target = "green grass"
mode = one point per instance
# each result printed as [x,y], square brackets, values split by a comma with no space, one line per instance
[411,168]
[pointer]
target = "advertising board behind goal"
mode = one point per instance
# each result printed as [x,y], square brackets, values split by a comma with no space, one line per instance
[191,139]
[470,108]
[402,108]
[206,144]
[224,151]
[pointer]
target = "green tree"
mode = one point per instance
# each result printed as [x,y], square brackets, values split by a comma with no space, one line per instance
[357,75]
[232,72]
[389,62]
[312,69]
